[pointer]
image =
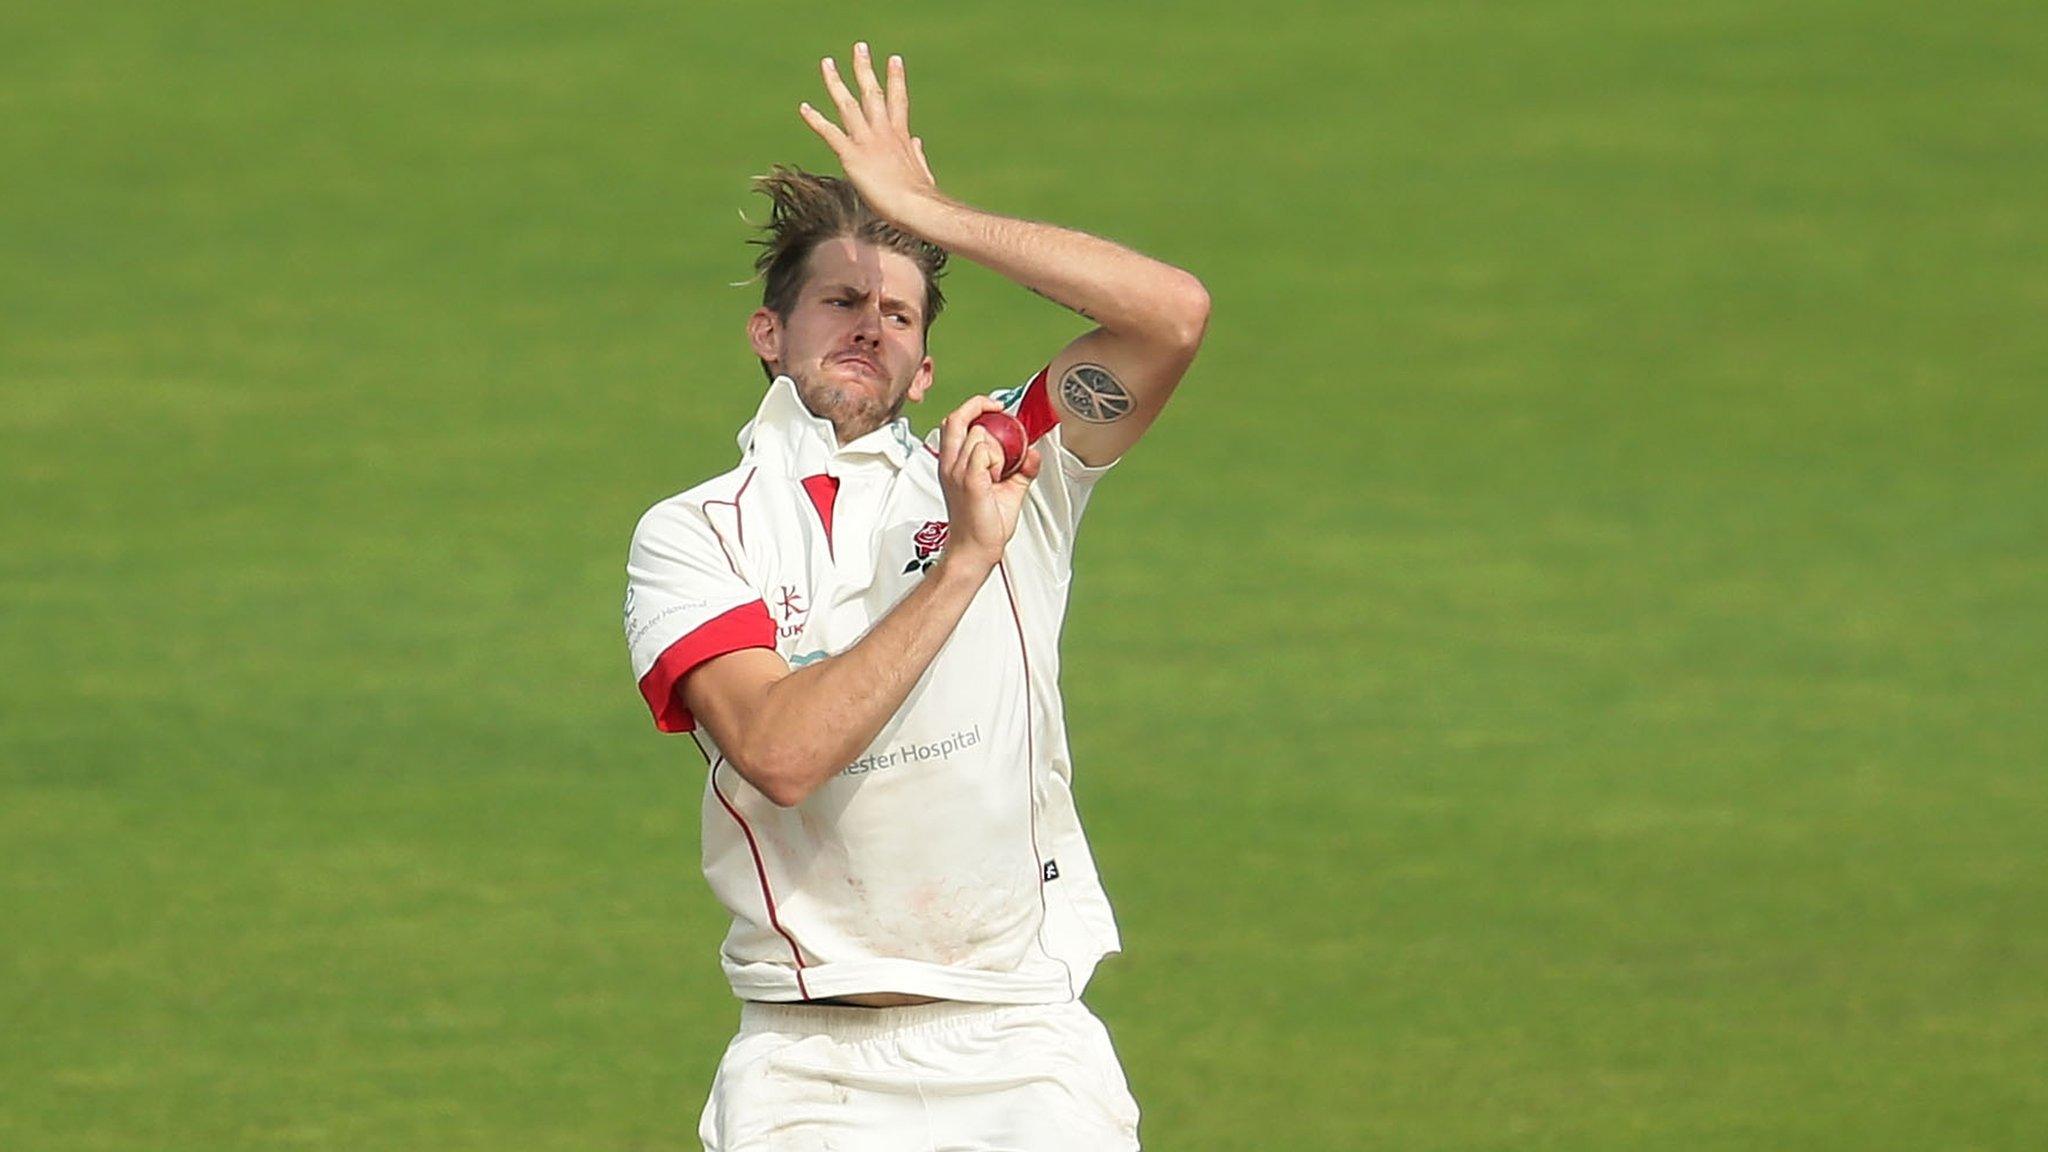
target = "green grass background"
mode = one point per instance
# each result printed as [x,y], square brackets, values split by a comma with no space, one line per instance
[1567,673]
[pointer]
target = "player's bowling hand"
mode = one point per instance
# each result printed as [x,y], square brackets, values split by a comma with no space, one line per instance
[981,507]
[872,138]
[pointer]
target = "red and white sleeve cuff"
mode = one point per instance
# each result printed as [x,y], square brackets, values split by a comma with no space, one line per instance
[747,626]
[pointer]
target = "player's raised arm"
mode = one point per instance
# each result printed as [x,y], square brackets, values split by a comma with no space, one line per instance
[1109,384]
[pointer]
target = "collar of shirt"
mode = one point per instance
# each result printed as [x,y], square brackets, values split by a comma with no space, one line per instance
[801,443]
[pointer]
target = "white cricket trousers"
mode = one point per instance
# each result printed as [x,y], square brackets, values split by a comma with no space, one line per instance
[943,1077]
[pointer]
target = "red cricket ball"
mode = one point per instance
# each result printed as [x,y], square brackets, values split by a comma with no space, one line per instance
[1008,433]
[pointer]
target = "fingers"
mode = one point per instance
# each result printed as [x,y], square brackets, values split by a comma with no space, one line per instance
[956,438]
[824,127]
[1013,487]
[1011,493]
[970,408]
[877,103]
[978,464]
[984,455]
[872,103]
[898,97]
[1028,470]
[917,149]
[850,113]
[984,508]
[874,106]
[953,434]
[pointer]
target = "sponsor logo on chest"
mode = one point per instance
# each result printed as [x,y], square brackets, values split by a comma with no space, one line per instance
[916,752]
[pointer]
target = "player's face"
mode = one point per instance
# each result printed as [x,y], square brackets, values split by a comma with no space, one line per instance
[854,339]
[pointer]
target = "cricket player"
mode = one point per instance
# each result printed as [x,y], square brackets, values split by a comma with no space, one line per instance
[860,630]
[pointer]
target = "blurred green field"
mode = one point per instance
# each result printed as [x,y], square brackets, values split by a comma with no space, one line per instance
[1568,673]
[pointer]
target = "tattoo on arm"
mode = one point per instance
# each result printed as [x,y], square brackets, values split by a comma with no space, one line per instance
[1093,394]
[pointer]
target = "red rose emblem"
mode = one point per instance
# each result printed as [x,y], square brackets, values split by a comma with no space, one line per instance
[930,538]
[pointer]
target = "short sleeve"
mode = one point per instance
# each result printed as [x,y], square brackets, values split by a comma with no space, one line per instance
[685,603]
[1060,494]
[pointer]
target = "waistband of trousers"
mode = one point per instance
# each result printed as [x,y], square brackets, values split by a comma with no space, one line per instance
[854,1025]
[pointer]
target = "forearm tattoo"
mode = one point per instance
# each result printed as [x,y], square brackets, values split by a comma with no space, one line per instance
[1091,393]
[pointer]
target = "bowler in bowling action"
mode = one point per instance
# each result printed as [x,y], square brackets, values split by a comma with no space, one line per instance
[859,629]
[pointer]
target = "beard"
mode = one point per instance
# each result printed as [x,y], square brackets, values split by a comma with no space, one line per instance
[852,411]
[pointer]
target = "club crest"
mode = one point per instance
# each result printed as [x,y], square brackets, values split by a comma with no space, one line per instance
[928,543]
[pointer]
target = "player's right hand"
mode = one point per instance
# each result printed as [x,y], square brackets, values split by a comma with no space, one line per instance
[982,510]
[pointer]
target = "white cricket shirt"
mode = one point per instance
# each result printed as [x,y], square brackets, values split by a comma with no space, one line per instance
[947,860]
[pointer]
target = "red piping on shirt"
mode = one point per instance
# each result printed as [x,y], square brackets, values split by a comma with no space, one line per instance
[761,870]
[1031,775]
[824,493]
[747,626]
[739,521]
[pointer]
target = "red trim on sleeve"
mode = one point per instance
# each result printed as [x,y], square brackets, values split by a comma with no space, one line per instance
[1035,411]
[824,492]
[746,626]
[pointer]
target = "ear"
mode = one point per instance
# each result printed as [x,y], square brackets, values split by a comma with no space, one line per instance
[764,332]
[921,381]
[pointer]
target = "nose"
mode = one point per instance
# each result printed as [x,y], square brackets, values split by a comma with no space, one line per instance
[868,325]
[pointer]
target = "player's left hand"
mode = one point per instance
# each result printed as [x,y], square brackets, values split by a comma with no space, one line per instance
[872,138]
